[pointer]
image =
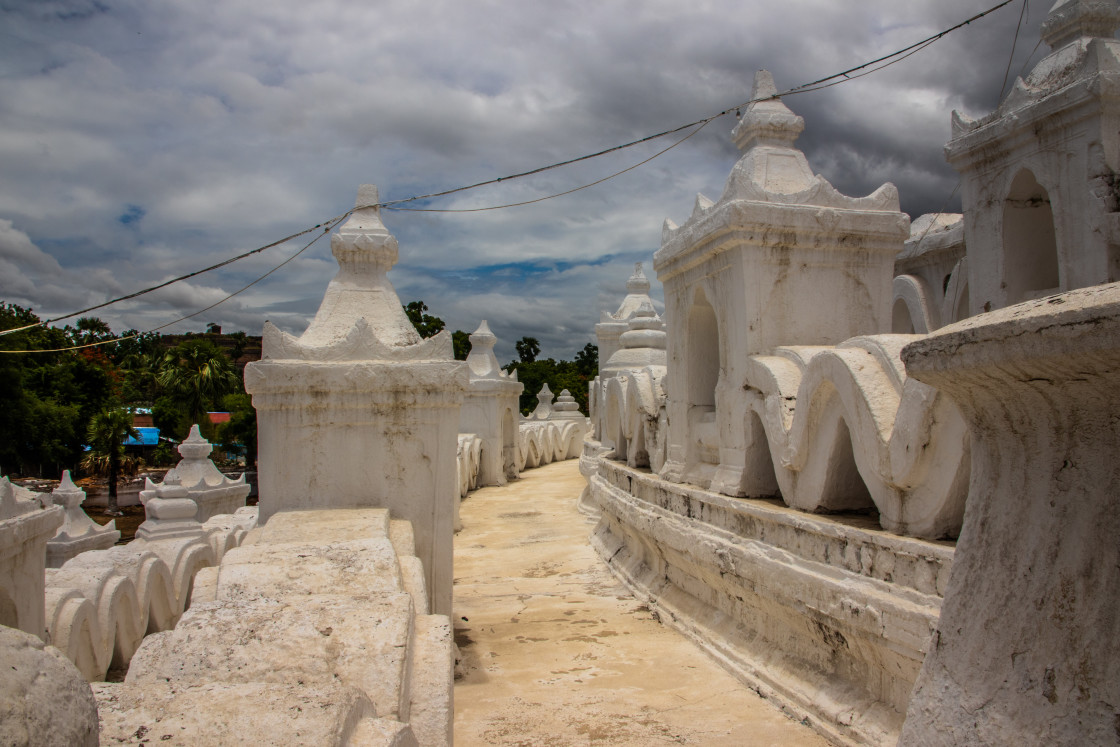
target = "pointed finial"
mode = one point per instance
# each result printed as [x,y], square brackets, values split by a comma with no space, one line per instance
[638,283]
[66,485]
[481,360]
[195,446]
[483,336]
[367,214]
[767,120]
[763,85]
[363,241]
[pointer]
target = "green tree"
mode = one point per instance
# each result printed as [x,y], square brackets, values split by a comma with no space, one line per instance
[426,324]
[107,432]
[461,342]
[196,374]
[587,361]
[138,360]
[91,329]
[559,375]
[239,434]
[171,417]
[48,398]
[528,348]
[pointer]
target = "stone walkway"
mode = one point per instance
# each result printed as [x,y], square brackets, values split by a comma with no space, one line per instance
[556,652]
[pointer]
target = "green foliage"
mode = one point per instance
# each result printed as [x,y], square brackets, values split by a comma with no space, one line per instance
[528,348]
[107,432]
[171,418]
[195,375]
[574,376]
[48,398]
[426,324]
[239,434]
[164,455]
[461,341]
[587,361]
[240,341]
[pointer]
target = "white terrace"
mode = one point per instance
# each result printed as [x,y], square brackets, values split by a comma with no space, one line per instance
[867,466]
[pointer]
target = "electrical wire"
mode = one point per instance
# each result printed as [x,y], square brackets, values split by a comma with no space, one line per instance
[1014,43]
[803,88]
[819,84]
[172,281]
[558,194]
[327,227]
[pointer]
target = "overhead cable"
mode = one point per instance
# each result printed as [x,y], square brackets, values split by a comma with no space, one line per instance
[819,84]
[803,88]
[326,226]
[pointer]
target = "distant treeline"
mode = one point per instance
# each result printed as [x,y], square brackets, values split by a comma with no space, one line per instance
[53,404]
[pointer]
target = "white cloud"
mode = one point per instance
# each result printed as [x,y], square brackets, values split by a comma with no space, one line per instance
[143,140]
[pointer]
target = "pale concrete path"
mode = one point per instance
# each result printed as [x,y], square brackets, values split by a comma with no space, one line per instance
[557,652]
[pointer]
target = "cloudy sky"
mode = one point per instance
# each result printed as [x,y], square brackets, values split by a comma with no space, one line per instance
[144,139]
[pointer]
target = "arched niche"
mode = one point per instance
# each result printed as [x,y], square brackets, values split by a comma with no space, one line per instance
[901,322]
[1030,250]
[702,356]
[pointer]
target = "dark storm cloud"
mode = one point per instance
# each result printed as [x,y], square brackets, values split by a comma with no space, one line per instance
[142,140]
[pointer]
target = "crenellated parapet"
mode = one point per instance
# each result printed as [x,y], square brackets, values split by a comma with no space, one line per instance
[545,441]
[101,603]
[843,428]
[359,411]
[319,626]
[78,532]
[27,523]
[212,492]
[781,258]
[1038,175]
[490,410]
[1026,650]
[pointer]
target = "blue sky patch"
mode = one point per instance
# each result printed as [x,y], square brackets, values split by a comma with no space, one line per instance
[132,214]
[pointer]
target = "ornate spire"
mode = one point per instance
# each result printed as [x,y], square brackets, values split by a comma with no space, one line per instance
[637,293]
[360,317]
[646,330]
[767,122]
[78,532]
[1070,20]
[544,404]
[638,283]
[565,408]
[481,360]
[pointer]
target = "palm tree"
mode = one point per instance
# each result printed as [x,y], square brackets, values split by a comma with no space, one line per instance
[107,432]
[197,373]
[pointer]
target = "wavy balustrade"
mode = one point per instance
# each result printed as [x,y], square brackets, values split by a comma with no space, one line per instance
[634,425]
[101,604]
[826,429]
[543,442]
[469,460]
[845,428]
